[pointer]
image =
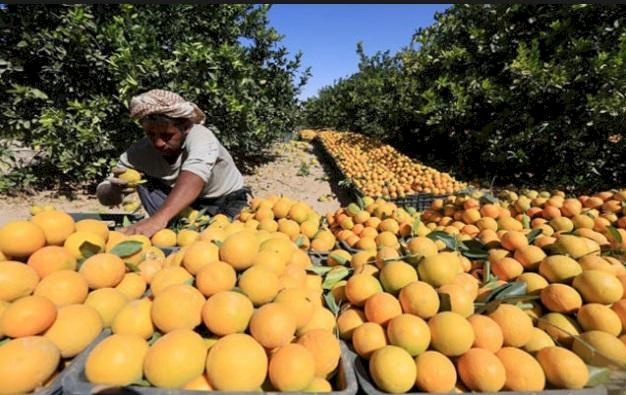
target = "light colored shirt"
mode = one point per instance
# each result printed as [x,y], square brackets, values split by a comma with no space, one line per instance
[201,154]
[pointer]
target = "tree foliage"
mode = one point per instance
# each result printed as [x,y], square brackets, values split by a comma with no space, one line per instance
[526,94]
[67,73]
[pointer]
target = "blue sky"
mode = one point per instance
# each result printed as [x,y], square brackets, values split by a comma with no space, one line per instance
[327,34]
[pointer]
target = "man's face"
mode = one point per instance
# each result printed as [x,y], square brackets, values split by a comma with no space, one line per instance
[165,137]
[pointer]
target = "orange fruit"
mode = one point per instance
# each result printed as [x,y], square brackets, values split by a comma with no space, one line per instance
[382,307]
[367,338]
[227,312]
[516,325]
[26,364]
[239,249]
[348,320]
[481,370]
[299,304]
[50,259]
[259,284]
[167,276]
[63,288]
[325,349]
[487,333]
[107,302]
[419,298]
[20,238]
[273,325]
[134,318]
[435,372]
[116,360]
[93,226]
[409,332]
[28,316]
[56,226]
[523,372]
[236,362]
[216,277]
[291,368]
[103,270]
[563,368]
[392,369]
[75,327]
[179,306]
[175,358]
[16,280]
[451,333]
[199,254]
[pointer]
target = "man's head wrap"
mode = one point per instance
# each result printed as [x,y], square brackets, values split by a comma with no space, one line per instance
[159,101]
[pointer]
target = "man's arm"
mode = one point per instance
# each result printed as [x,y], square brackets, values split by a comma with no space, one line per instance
[186,190]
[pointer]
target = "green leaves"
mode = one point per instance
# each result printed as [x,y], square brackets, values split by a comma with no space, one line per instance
[334,276]
[127,248]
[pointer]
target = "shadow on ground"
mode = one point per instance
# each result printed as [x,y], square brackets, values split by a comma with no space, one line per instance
[343,194]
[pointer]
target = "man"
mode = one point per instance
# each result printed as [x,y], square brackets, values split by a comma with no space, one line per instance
[183,162]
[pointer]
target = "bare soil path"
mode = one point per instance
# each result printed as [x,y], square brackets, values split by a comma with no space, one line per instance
[293,170]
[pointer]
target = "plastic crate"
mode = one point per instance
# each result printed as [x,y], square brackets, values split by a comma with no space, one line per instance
[113,220]
[55,386]
[368,387]
[75,382]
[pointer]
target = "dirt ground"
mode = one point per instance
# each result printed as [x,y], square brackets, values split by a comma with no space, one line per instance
[293,170]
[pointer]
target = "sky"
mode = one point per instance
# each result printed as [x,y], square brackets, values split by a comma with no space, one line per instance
[327,34]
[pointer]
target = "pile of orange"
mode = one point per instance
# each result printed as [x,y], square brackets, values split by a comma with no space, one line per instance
[233,309]
[379,170]
[419,312]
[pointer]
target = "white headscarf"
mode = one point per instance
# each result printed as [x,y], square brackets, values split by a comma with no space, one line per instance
[159,101]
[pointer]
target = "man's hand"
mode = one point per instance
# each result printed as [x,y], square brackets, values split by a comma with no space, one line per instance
[146,227]
[118,182]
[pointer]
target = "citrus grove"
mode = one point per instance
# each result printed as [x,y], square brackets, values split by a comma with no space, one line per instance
[516,291]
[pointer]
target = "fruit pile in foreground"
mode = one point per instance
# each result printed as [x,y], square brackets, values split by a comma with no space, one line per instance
[488,295]
[379,170]
[234,309]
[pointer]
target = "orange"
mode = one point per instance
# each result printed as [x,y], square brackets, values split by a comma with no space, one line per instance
[116,360]
[103,270]
[273,325]
[409,332]
[367,338]
[199,254]
[216,277]
[167,276]
[451,333]
[382,307]
[291,368]
[236,362]
[75,327]
[134,318]
[227,312]
[360,287]
[523,372]
[435,372]
[487,333]
[239,249]
[175,358]
[299,304]
[107,302]
[20,238]
[164,238]
[325,349]
[16,280]
[63,288]
[56,226]
[50,259]
[392,369]
[348,320]
[93,226]
[419,298]
[395,275]
[516,325]
[259,284]
[177,307]
[480,370]
[132,285]
[26,364]
[596,316]
[28,316]
[563,368]
[538,340]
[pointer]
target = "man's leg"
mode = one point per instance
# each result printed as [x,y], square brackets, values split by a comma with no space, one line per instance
[152,195]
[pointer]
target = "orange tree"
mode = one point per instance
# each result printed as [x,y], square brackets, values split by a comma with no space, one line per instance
[528,94]
[67,73]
